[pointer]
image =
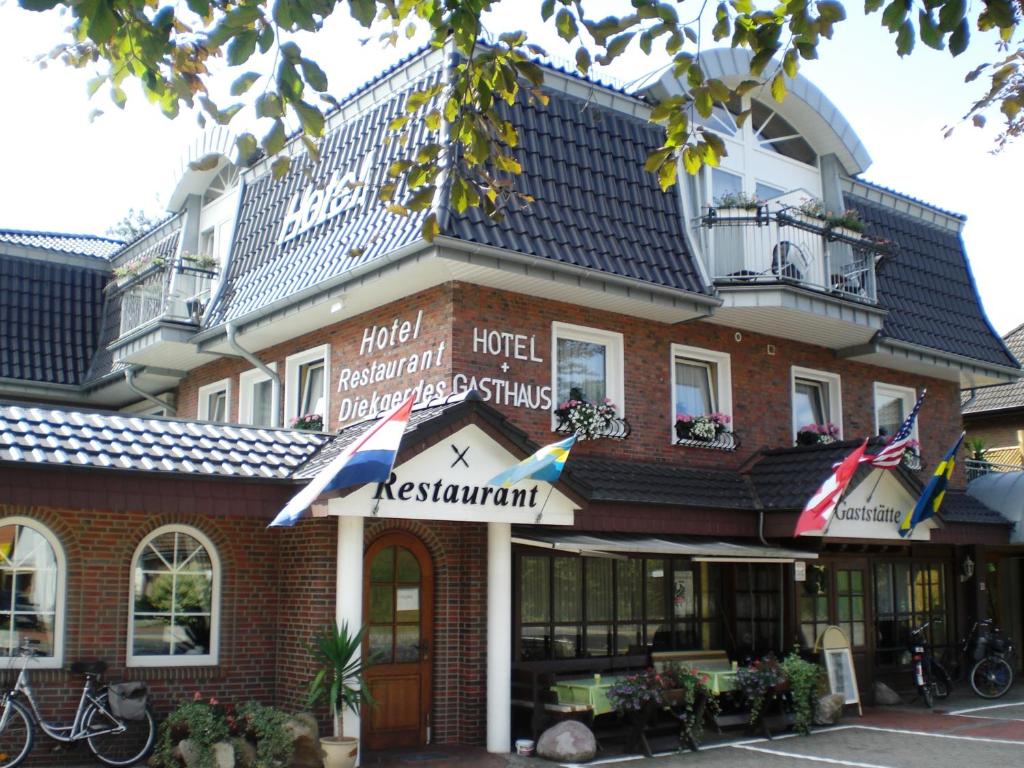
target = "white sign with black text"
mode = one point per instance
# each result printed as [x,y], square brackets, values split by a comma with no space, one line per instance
[874,508]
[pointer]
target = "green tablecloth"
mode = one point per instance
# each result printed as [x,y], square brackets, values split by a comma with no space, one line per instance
[587,690]
[720,681]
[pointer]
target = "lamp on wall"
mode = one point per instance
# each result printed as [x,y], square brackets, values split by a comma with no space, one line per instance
[966,568]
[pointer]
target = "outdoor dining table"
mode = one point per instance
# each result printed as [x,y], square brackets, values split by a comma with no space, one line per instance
[587,690]
[719,680]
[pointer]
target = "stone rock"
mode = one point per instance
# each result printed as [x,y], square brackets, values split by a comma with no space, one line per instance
[305,740]
[188,753]
[886,696]
[828,710]
[567,742]
[245,753]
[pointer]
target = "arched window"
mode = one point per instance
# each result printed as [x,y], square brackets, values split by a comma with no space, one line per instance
[175,597]
[32,573]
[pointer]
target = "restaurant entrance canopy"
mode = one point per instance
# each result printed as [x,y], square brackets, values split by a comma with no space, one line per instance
[698,550]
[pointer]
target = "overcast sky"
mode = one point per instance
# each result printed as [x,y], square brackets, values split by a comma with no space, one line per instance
[62,173]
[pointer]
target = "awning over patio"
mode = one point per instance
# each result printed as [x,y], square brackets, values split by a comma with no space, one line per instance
[699,550]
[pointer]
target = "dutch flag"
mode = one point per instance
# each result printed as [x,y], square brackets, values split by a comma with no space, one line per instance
[368,460]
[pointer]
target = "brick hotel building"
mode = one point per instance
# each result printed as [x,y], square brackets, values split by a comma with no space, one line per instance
[147,389]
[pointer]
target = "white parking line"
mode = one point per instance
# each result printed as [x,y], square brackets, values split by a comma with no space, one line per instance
[813,758]
[989,706]
[906,732]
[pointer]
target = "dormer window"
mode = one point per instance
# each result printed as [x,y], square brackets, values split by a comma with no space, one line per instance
[774,134]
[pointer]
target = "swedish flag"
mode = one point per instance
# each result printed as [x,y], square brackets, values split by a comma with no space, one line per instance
[933,493]
[545,464]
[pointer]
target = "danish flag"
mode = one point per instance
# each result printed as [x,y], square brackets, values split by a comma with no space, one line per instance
[819,508]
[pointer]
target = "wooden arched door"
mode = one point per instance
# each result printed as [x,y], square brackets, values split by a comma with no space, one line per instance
[398,600]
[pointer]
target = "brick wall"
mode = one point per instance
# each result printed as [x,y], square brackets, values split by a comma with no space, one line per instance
[761,382]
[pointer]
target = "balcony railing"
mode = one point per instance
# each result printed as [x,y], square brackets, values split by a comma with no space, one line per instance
[977,467]
[178,292]
[616,429]
[778,244]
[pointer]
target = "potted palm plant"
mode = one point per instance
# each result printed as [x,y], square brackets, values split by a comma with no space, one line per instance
[340,681]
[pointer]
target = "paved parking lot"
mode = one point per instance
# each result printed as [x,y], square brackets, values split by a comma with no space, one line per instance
[969,733]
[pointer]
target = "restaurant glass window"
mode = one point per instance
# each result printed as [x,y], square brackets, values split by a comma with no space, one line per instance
[813,597]
[850,610]
[594,606]
[758,594]
[394,607]
[907,594]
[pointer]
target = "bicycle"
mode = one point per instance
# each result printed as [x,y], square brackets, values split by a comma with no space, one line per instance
[932,680]
[111,739]
[991,675]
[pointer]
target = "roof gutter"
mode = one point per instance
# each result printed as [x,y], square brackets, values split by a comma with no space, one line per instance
[960,361]
[583,273]
[249,357]
[129,379]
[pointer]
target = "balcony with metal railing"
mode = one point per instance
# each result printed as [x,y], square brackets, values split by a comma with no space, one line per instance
[162,304]
[779,269]
[975,468]
[762,245]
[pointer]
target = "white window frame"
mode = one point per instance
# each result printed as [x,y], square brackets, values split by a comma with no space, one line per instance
[183,660]
[292,364]
[203,410]
[615,389]
[247,382]
[722,363]
[56,661]
[833,388]
[907,394]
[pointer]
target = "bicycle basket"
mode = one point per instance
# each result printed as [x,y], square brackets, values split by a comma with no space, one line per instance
[128,700]
[980,647]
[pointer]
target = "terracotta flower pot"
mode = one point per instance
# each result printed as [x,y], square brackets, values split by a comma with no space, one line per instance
[339,751]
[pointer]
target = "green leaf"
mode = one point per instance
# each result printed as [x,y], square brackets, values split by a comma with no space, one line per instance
[275,139]
[118,96]
[247,147]
[39,5]
[269,105]
[583,61]
[951,14]
[790,63]
[691,161]
[241,48]
[206,162]
[280,166]
[430,228]
[905,38]
[702,101]
[895,14]
[94,85]
[667,174]
[616,46]
[870,6]
[363,11]
[312,119]
[433,120]
[314,75]
[960,38]
[1010,107]
[930,34]
[779,87]
[656,158]
[243,83]
[565,23]
[547,9]
[831,10]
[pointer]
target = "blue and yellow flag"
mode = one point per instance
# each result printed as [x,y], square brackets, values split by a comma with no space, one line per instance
[545,464]
[933,493]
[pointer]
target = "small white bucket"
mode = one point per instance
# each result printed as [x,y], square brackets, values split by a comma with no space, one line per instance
[525,747]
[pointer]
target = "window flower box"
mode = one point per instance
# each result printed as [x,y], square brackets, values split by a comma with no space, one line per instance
[589,421]
[912,456]
[706,428]
[312,422]
[817,434]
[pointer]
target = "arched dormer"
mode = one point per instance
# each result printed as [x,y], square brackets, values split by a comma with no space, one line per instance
[768,224]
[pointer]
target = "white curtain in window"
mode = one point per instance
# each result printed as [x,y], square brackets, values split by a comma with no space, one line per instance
[217,406]
[582,370]
[262,400]
[694,393]
[311,387]
[890,414]
[810,403]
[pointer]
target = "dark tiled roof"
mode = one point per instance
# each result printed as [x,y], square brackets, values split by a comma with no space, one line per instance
[49,319]
[45,436]
[959,507]
[82,245]
[261,272]
[1006,395]
[595,205]
[609,480]
[927,287]
[785,478]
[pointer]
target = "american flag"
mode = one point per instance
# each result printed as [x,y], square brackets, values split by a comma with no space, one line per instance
[892,452]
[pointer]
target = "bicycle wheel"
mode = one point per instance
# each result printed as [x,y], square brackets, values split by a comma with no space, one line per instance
[16,735]
[991,677]
[127,748]
[928,694]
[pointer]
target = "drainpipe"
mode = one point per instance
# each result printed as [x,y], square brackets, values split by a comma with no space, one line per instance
[129,379]
[249,357]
